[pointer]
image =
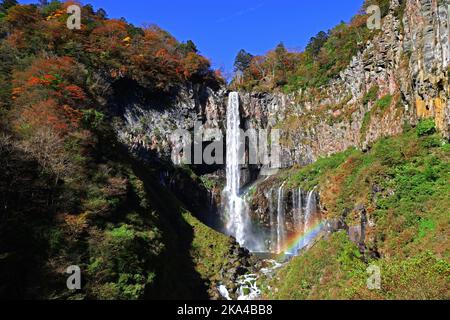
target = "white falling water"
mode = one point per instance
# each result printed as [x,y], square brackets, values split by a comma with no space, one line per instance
[294,206]
[224,292]
[235,220]
[236,212]
[281,233]
[298,216]
[297,205]
[311,209]
[248,288]
[301,216]
[273,237]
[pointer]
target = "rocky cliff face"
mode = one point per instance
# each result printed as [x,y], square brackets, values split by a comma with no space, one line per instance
[405,65]
[149,119]
[400,77]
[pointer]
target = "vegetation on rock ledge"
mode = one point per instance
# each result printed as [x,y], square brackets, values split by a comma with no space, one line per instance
[403,184]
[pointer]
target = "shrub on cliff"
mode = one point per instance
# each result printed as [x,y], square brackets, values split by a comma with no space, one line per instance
[426,127]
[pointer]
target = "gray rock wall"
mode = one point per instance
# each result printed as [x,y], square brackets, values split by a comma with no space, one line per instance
[408,60]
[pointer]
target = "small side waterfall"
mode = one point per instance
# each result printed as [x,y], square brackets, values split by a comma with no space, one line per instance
[298,216]
[311,209]
[305,220]
[273,237]
[297,207]
[281,233]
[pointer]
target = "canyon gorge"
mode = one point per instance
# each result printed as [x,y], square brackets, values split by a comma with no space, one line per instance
[362,178]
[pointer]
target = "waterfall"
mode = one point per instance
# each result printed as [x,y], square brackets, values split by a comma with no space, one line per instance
[311,209]
[298,217]
[273,239]
[236,210]
[294,206]
[297,208]
[224,292]
[234,206]
[280,220]
[236,214]
[300,209]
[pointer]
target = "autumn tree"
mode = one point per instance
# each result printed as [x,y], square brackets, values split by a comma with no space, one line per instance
[48,94]
[150,56]
[278,60]
[48,8]
[195,65]
[22,16]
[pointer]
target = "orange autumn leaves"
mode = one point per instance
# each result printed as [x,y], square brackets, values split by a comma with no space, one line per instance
[194,64]
[49,114]
[46,98]
[150,55]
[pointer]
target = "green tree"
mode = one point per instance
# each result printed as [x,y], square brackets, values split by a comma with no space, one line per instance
[242,61]
[186,48]
[7,56]
[6,4]
[316,43]
[48,8]
[101,13]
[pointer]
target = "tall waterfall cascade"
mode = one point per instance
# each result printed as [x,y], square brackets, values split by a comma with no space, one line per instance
[236,212]
[274,238]
[236,218]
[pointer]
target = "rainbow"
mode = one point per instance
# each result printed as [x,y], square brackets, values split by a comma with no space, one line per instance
[296,241]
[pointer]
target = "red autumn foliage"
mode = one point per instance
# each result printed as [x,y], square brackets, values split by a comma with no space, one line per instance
[75,92]
[49,114]
[109,37]
[195,65]
[46,96]
[150,56]
[21,16]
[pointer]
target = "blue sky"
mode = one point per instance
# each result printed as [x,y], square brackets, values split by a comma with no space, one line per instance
[220,28]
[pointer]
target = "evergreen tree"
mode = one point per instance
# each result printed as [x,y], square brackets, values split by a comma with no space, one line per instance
[316,43]
[101,13]
[6,4]
[187,47]
[242,61]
